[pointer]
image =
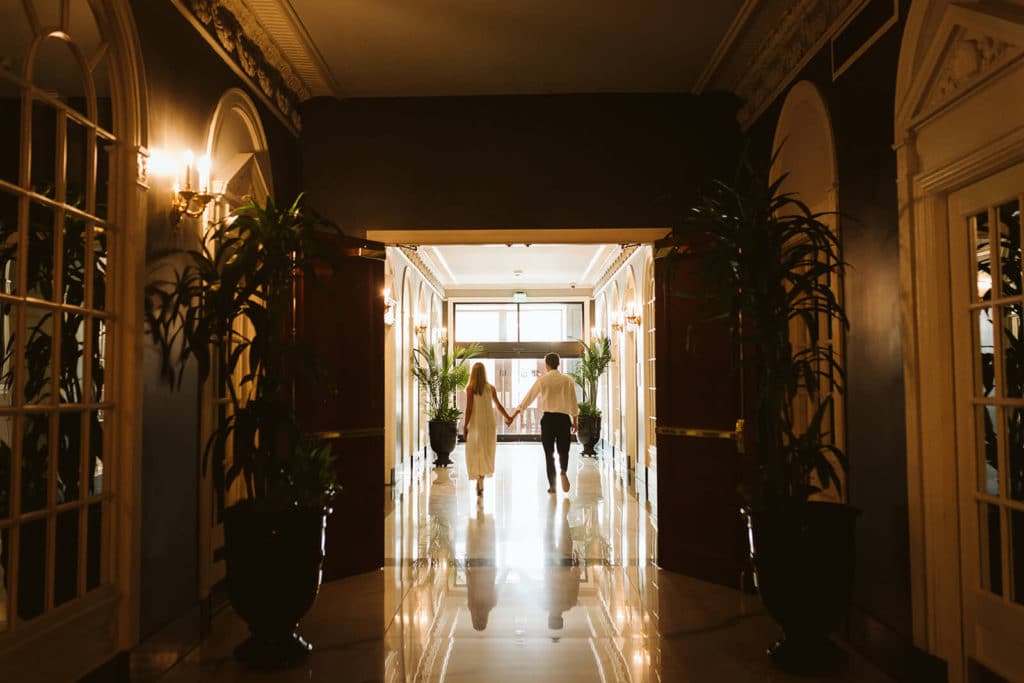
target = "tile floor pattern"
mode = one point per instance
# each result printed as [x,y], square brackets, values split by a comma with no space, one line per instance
[520,586]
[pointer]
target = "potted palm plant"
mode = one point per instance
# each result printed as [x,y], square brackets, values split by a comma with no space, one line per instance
[594,361]
[768,266]
[442,375]
[226,311]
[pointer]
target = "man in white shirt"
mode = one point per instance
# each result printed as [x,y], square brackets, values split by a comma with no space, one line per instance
[558,394]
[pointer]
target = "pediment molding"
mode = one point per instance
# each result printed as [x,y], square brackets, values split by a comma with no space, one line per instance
[972,44]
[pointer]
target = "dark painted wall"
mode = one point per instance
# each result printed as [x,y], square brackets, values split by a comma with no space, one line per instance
[185,80]
[861,103]
[510,162]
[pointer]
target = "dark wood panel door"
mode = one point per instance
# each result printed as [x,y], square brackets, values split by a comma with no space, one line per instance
[699,403]
[341,319]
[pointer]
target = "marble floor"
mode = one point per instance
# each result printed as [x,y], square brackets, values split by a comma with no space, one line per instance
[519,585]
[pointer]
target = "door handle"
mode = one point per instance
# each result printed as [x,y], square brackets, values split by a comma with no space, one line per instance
[735,434]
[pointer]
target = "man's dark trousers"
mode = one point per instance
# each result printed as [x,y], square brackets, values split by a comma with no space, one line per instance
[555,429]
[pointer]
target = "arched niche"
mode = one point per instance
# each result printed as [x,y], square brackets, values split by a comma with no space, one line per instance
[238,150]
[960,155]
[805,147]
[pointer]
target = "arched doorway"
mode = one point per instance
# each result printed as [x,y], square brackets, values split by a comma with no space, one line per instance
[960,155]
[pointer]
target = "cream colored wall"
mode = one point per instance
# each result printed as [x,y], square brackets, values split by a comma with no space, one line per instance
[405,425]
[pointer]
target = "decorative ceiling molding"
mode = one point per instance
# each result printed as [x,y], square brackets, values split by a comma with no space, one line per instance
[776,41]
[241,41]
[425,270]
[612,270]
[739,23]
[284,28]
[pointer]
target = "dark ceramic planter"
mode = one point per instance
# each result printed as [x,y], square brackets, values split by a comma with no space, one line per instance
[444,434]
[804,557]
[589,432]
[274,560]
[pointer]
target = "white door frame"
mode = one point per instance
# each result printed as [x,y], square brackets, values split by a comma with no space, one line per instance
[951,129]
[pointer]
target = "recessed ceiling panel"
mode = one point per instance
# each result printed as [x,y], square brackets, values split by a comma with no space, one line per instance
[395,48]
[537,265]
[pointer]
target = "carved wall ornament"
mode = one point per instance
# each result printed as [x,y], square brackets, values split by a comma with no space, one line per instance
[230,25]
[970,56]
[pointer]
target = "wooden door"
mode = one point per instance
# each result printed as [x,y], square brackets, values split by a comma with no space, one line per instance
[341,320]
[699,405]
[988,325]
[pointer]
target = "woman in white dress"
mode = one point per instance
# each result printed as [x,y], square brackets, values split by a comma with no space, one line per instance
[480,427]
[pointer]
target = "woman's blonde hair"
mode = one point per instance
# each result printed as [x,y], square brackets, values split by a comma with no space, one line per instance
[477,379]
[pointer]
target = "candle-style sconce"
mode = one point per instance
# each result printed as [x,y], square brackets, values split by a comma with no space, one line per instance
[616,322]
[420,328]
[192,200]
[441,336]
[632,317]
[389,307]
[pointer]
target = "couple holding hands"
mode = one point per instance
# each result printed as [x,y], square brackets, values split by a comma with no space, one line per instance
[557,393]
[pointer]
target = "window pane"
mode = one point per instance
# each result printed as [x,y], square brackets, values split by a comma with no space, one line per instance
[6,460]
[83,29]
[99,351]
[77,164]
[1017,548]
[75,235]
[550,322]
[104,148]
[1015,446]
[485,322]
[18,35]
[983,261]
[92,564]
[985,352]
[1009,251]
[104,108]
[8,320]
[48,12]
[69,457]
[57,72]
[38,354]
[72,364]
[65,574]
[95,465]
[31,569]
[1013,351]
[10,128]
[8,243]
[4,576]
[990,543]
[35,454]
[988,458]
[44,149]
[99,268]
[40,251]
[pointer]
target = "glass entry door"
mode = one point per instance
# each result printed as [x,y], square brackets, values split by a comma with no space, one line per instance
[515,338]
[512,378]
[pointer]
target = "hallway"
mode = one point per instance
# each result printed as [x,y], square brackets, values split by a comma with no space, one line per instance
[522,586]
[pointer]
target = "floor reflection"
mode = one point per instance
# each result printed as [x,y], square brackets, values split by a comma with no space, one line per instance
[520,585]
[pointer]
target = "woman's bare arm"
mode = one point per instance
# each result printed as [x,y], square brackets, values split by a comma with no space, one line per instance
[469,413]
[494,398]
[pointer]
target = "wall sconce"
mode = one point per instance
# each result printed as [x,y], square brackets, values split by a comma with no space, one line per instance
[389,307]
[441,336]
[420,327]
[616,322]
[632,317]
[189,201]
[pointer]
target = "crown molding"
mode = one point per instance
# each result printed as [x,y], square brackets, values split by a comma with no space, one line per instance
[236,35]
[770,46]
[612,270]
[737,26]
[286,31]
[413,256]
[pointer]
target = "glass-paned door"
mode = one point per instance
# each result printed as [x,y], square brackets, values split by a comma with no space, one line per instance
[56,239]
[988,301]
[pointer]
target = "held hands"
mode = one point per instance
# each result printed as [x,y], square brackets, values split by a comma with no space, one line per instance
[511,418]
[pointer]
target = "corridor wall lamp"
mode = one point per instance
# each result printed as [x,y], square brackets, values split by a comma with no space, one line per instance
[616,322]
[188,200]
[421,325]
[632,317]
[441,336]
[389,307]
